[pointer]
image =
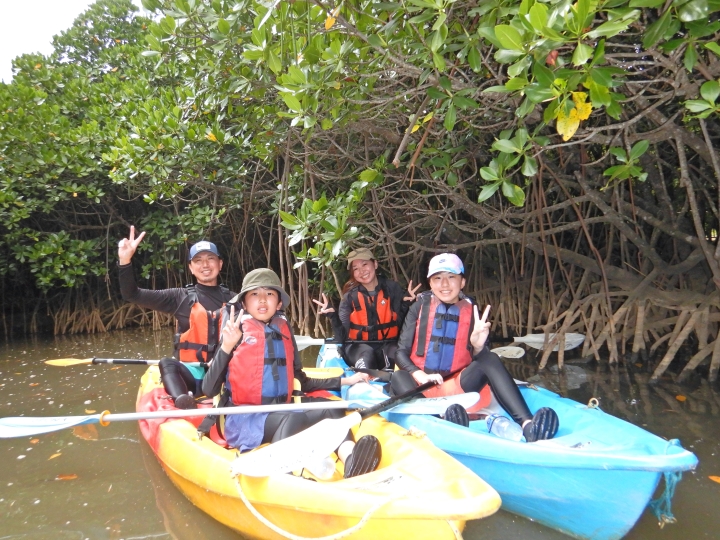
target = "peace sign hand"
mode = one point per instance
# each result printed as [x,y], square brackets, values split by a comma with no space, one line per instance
[481,329]
[127,246]
[411,292]
[325,306]
[232,332]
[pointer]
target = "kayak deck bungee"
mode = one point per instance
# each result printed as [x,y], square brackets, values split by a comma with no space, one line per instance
[593,480]
[417,491]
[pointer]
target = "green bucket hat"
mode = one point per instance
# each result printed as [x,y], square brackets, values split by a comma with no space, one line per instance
[264,277]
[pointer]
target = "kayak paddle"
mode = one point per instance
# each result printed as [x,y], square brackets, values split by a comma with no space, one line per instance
[303,342]
[312,444]
[25,426]
[509,351]
[124,361]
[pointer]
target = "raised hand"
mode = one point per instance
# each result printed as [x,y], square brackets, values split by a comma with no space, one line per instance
[481,329]
[127,246]
[324,305]
[232,331]
[411,292]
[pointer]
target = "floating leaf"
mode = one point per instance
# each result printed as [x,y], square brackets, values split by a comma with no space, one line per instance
[88,411]
[54,456]
[87,432]
[680,398]
[34,441]
[66,477]
[715,479]
[34,383]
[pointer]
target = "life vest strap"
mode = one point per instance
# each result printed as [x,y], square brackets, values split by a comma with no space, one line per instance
[422,330]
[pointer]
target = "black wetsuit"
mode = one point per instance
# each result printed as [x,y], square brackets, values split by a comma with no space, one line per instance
[278,425]
[485,368]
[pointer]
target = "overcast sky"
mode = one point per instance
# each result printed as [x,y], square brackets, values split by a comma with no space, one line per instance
[28,26]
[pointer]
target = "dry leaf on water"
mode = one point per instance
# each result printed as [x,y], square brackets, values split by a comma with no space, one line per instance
[34,441]
[715,479]
[66,477]
[54,456]
[87,432]
[90,411]
[680,398]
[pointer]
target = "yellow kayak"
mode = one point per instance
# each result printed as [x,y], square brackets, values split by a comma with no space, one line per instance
[418,491]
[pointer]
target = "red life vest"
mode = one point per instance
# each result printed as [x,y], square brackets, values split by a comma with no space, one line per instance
[198,343]
[442,335]
[372,317]
[262,366]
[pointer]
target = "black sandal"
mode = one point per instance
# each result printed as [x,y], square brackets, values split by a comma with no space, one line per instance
[457,414]
[544,425]
[365,457]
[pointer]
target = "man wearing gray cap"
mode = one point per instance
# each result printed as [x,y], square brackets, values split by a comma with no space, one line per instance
[197,309]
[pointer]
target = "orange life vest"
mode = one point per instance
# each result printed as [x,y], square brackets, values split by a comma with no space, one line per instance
[261,369]
[372,317]
[442,335]
[198,342]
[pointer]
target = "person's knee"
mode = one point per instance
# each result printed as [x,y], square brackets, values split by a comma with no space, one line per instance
[473,378]
[168,365]
[402,382]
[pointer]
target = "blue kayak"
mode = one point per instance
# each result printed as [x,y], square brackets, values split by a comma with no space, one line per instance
[593,480]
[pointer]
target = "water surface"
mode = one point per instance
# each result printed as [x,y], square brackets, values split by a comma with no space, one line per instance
[105,483]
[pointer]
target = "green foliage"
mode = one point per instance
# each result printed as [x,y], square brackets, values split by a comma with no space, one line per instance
[291,112]
[629,168]
[708,105]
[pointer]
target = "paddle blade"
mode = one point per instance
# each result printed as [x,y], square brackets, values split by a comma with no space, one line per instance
[68,361]
[20,426]
[509,351]
[311,445]
[303,342]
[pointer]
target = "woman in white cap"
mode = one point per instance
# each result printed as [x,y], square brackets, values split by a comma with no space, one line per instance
[444,336]
[256,364]
[371,313]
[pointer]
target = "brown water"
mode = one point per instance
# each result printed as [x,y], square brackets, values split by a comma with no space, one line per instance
[105,483]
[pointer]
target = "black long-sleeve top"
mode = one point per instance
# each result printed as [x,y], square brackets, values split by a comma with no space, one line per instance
[211,298]
[217,372]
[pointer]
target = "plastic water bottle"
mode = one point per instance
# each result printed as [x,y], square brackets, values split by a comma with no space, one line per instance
[503,427]
[323,469]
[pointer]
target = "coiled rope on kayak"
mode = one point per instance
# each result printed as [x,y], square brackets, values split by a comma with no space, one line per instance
[662,506]
[336,536]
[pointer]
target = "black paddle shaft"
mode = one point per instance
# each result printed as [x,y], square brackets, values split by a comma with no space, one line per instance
[402,398]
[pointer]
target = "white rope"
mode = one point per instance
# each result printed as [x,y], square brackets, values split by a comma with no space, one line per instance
[337,536]
[455,530]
